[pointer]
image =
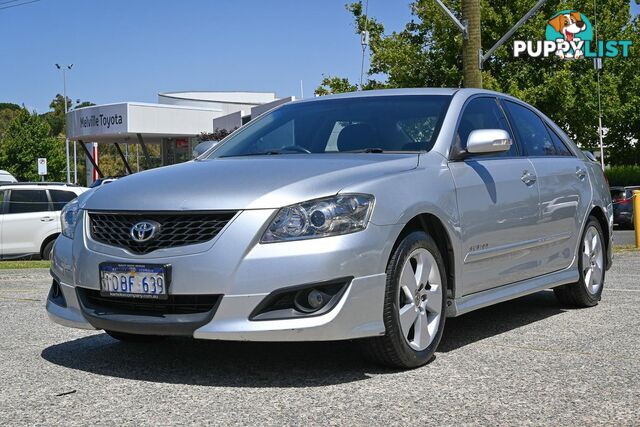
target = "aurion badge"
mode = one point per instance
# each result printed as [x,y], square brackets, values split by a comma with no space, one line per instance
[144,230]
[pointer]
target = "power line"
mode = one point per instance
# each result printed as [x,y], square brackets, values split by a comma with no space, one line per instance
[7,2]
[16,5]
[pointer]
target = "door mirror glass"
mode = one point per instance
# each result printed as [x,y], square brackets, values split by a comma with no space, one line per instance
[488,141]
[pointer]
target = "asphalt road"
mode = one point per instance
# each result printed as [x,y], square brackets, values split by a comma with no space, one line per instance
[624,237]
[524,362]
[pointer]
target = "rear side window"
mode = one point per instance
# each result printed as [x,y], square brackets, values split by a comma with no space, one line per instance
[483,113]
[26,201]
[561,148]
[61,198]
[532,132]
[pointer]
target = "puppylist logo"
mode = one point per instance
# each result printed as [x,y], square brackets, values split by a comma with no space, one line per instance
[569,35]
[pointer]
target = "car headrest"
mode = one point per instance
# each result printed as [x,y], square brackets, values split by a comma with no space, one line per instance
[356,137]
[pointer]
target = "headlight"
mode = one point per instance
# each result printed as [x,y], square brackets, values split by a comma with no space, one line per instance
[68,217]
[331,216]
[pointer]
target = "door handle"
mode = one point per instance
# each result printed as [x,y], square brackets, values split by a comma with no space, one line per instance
[528,178]
[580,173]
[46,219]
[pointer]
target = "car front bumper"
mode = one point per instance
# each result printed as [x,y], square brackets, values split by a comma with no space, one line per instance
[243,272]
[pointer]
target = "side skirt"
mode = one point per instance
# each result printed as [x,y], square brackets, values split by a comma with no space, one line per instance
[507,292]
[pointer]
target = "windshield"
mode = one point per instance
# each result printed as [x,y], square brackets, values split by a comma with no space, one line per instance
[367,124]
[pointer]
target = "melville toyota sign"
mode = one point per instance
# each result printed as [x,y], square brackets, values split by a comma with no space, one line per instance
[98,120]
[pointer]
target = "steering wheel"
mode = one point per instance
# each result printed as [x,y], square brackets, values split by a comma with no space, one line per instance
[295,148]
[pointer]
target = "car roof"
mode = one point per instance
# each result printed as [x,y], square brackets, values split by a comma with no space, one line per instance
[405,92]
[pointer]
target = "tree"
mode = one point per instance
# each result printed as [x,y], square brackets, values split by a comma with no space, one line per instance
[217,135]
[26,139]
[56,117]
[427,53]
[8,112]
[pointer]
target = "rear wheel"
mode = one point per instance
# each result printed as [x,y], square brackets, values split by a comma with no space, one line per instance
[122,336]
[46,251]
[587,291]
[414,306]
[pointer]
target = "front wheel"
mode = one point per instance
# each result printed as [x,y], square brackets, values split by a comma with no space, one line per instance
[414,305]
[587,291]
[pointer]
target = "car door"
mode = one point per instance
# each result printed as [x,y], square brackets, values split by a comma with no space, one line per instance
[498,201]
[565,190]
[27,221]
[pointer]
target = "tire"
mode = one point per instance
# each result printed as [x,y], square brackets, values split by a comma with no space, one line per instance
[403,346]
[587,291]
[46,251]
[134,338]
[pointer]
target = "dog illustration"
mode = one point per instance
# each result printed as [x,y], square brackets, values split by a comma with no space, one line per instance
[569,25]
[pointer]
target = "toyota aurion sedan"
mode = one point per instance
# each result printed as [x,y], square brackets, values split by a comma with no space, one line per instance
[371,216]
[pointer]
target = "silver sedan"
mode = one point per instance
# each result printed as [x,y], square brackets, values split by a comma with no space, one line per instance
[372,216]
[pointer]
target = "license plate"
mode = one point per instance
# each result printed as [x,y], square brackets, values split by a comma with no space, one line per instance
[134,280]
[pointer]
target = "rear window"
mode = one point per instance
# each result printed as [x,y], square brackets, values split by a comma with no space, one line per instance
[61,198]
[26,201]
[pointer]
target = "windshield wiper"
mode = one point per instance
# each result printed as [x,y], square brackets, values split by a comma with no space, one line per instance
[367,150]
[262,153]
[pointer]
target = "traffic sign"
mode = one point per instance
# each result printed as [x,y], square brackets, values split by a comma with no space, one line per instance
[42,166]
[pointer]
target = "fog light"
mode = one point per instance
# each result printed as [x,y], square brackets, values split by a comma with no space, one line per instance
[310,300]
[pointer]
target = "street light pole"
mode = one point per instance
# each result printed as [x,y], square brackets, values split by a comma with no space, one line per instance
[64,69]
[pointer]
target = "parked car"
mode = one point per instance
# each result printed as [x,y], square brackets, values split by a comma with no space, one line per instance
[622,198]
[372,215]
[30,217]
[6,177]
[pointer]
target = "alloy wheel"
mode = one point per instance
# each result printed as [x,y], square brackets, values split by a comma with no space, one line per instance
[592,260]
[420,299]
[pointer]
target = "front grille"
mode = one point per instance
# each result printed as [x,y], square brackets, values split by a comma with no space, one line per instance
[175,304]
[176,229]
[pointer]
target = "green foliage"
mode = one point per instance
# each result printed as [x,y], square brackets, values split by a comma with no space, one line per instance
[427,53]
[7,114]
[26,138]
[330,85]
[624,175]
[217,135]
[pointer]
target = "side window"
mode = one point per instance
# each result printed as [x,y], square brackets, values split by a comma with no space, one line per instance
[483,113]
[26,201]
[61,198]
[561,148]
[532,132]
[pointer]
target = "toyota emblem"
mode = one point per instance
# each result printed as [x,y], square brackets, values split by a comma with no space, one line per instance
[144,231]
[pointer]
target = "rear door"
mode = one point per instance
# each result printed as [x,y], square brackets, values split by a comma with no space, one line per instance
[565,191]
[27,221]
[498,203]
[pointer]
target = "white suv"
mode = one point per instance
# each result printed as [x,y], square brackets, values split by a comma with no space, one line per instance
[30,217]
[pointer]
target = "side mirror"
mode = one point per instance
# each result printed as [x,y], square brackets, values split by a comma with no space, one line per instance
[199,149]
[488,141]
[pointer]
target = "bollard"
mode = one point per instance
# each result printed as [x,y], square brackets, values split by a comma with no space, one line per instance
[636,215]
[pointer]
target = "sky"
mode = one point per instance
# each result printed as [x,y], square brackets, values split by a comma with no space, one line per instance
[131,50]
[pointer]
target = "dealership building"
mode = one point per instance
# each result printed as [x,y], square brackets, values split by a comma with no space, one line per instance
[173,123]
